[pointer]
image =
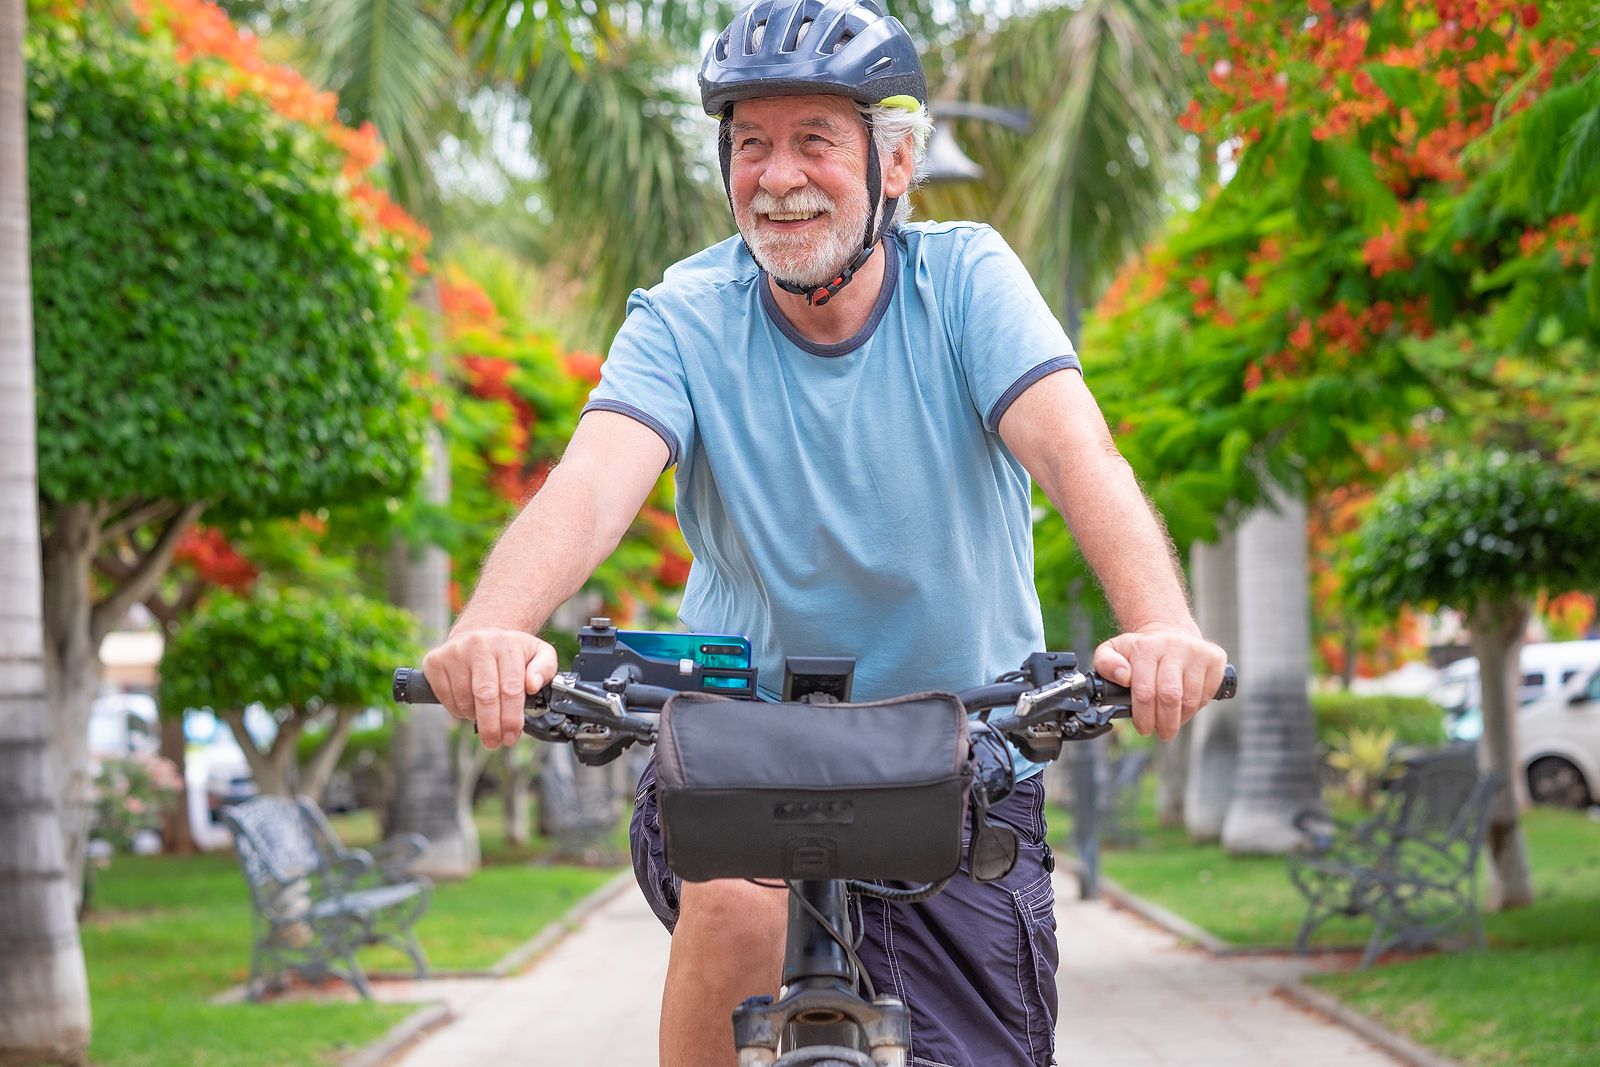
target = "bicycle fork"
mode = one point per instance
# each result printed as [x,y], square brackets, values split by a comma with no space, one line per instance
[821,1019]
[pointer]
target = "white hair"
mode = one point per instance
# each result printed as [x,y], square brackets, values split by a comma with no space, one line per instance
[890,128]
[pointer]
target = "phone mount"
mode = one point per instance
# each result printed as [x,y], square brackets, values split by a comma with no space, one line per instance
[600,653]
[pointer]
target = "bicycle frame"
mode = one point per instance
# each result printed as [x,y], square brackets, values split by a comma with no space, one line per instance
[820,1006]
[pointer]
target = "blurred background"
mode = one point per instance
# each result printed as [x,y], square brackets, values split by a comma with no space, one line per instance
[303,298]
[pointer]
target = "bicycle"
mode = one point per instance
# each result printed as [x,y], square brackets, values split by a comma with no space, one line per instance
[614,698]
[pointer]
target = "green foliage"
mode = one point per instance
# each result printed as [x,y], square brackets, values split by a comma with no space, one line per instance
[363,746]
[1362,756]
[1414,720]
[175,934]
[1489,529]
[288,650]
[212,321]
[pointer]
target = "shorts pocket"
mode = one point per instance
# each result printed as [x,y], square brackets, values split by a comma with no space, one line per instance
[1037,958]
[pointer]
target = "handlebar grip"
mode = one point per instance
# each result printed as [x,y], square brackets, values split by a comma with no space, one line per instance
[1112,693]
[411,687]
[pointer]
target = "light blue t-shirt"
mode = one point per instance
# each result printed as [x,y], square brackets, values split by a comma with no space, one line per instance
[852,499]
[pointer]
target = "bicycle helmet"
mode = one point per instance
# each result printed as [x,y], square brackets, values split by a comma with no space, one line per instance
[844,48]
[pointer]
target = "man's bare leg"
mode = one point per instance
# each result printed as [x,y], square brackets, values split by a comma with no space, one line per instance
[728,945]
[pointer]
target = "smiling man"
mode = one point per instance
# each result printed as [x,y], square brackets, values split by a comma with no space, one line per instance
[855,406]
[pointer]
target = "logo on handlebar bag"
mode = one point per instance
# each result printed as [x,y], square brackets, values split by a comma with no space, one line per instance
[815,812]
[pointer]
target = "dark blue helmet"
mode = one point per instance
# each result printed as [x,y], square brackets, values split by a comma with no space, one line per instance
[799,47]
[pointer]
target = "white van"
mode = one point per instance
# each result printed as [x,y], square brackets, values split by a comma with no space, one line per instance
[1559,736]
[1547,668]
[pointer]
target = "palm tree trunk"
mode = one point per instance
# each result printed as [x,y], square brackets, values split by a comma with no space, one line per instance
[44,991]
[72,668]
[579,806]
[427,770]
[1497,631]
[1277,737]
[1214,742]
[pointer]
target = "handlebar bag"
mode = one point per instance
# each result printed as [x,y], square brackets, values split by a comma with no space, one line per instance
[749,789]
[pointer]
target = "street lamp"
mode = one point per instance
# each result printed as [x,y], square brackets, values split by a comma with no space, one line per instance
[946,162]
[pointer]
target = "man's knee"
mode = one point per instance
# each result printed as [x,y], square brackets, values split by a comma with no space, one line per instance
[734,915]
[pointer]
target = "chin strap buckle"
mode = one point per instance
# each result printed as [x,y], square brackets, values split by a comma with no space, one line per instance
[817,295]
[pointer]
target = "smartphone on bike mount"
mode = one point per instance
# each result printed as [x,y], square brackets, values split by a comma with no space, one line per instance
[713,663]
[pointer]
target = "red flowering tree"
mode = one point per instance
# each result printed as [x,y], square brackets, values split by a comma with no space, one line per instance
[513,404]
[1403,236]
[1282,318]
[1410,227]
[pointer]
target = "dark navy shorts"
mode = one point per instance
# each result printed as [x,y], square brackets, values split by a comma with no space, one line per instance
[976,964]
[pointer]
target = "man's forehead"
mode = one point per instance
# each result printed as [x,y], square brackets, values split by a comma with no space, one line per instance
[816,112]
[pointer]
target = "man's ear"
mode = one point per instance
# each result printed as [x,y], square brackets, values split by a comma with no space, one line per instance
[898,170]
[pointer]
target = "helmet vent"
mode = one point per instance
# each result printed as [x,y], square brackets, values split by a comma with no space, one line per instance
[722,49]
[793,44]
[844,39]
[758,35]
[878,64]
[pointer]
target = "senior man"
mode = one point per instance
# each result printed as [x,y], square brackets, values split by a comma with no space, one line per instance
[854,406]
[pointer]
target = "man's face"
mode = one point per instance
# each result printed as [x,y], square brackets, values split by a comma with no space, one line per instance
[798,176]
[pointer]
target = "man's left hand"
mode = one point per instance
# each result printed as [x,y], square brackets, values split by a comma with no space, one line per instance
[1172,671]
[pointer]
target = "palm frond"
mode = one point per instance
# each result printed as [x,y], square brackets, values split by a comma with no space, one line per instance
[628,189]
[394,64]
[1103,82]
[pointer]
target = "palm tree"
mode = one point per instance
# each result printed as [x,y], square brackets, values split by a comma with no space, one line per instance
[44,993]
[1277,737]
[1102,81]
[1214,744]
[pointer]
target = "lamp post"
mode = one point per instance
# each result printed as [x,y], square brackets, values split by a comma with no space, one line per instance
[948,164]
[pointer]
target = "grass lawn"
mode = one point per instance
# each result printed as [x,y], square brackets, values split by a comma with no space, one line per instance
[1533,998]
[168,933]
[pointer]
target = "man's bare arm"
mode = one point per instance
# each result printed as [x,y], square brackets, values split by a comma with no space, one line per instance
[572,524]
[1056,429]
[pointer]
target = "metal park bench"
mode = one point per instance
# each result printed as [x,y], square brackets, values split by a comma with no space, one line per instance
[316,902]
[1412,866]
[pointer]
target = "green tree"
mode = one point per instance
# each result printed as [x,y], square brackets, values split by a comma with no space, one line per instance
[1485,536]
[315,661]
[1291,329]
[219,326]
[44,994]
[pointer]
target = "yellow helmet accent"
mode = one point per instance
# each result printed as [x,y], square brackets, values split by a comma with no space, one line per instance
[904,103]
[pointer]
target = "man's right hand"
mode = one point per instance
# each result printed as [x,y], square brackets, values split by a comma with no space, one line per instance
[485,675]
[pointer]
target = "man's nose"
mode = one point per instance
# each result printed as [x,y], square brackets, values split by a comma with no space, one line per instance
[783,173]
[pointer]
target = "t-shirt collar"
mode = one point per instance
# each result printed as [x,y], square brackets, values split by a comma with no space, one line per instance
[891,278]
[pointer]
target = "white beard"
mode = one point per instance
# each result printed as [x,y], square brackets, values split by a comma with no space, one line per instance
[811,258]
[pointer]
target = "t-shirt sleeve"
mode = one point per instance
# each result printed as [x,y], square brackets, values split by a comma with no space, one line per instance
[643,378]
[1009,336]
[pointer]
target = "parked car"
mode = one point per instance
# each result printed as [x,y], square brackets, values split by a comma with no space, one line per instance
[1559,736]
[122,725]
[1548,667]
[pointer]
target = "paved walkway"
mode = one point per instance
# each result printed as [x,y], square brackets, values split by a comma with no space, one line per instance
[1146,1001]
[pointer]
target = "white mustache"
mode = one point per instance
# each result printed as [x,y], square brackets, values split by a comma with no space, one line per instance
[801,202]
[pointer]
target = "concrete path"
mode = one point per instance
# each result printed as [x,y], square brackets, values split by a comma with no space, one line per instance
[1131,996]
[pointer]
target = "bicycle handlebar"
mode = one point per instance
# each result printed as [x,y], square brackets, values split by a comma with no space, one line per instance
[603,718]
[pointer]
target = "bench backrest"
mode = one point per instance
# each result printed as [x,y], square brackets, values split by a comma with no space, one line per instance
[277,851]
[1441,798]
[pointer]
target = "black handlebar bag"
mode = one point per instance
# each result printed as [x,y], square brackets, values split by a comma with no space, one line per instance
[749,789]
